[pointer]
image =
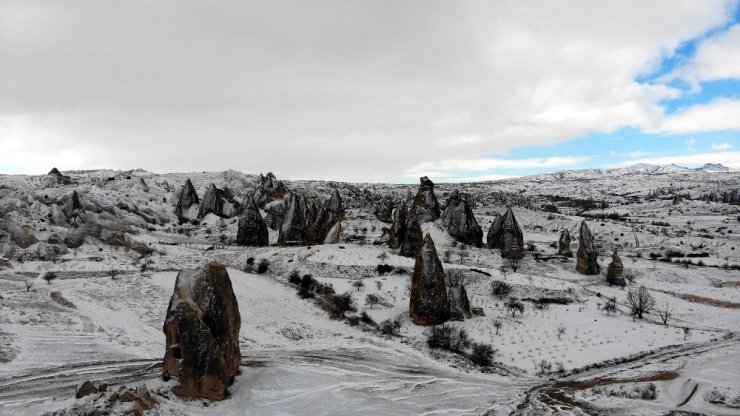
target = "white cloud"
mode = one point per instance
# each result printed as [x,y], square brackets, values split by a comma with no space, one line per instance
[731,159]
[721,146]
[449,166]
[716,58]
[717,115]
[334,90]
[691,145]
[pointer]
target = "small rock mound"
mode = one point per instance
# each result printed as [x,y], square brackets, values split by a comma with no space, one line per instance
[202,333]
[564,244]
[57,177]
[587,261]
[506,235]
[425,202]
[252,229]
[429,304]
[460,222]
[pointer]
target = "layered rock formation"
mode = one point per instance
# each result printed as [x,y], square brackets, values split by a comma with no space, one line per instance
[202,333]
[186,199]
[429,304]
[252,229]
[425,202]
[615,270]
[459,304]
[412,237]
[564,244]
[20,235]
[270,189]
[220,202]
[460,222]
[335,204]
[506,235]
[587,261]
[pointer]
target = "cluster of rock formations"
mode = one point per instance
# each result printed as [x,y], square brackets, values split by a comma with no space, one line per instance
[587,258]
[220,202]
[730,196]
[460,222]
[425,202]
[434,300]
[506,235]
[186,199]
[252,229]
[202,333]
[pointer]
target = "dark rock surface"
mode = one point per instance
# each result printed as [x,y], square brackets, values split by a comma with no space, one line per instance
[202,333]
[252,229]
[564,244]
[460,222]
[615,270]
[270,189]
[429,304]
[187,198]
[397,231]
[413,237]
[506,235]
[587,261]
[293,229]
[425,202]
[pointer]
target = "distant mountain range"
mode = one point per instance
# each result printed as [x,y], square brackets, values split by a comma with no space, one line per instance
[647,169]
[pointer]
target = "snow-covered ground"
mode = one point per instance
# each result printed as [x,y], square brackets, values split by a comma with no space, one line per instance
[102,317]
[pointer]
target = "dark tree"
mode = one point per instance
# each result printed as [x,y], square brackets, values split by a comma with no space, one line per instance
[500,289]
[640,301]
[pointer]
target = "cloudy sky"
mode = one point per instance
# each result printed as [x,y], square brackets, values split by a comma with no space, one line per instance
[368,90]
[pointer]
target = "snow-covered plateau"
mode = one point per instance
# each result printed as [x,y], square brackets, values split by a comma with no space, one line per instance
[88,262]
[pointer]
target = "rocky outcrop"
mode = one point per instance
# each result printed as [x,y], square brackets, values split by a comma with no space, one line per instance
[293,229]
[72,207]
[220,202]
[615,270]
[335,204]
[202,333]
[270,189]
[429,304]
[587,261]
[252,229]
[425,202]
[459,303]
[506,235]
[384,210]
[460,222]
[55,176]
[89,387]
[397,232]
[413,237]
[20,235]
[564,244]
[186,199]
[334,236]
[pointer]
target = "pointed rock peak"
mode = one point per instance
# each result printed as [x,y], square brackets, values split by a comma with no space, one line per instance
[426,184]
[565,236]
[55,171]
[428,242]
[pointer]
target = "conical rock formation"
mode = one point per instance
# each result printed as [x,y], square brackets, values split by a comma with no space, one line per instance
[429,304]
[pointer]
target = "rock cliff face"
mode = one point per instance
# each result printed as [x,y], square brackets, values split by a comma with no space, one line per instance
[221,202]
[587,261]
[429,304]
[425,202]
[202,333]
[459,303]
[252,229]
[186,199]
[413,237]
[564,244]
[460,222]
[72,206]
[506,235]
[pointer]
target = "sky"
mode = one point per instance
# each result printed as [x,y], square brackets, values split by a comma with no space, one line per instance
[368,91]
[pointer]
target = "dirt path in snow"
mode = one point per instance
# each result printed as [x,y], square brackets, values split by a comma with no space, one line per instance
[558,397]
